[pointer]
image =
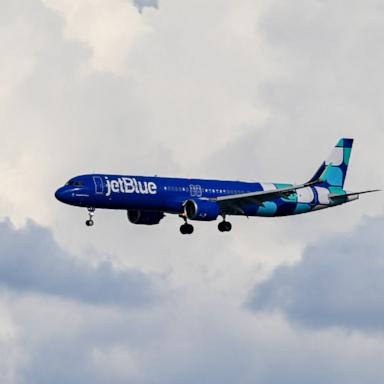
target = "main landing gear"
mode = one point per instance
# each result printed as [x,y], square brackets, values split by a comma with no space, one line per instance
[91,213]
[186,229]
[224,226]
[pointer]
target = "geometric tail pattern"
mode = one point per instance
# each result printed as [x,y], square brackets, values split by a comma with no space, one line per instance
[340,160]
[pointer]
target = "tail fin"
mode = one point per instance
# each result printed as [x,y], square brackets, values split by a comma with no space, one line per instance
[339,160]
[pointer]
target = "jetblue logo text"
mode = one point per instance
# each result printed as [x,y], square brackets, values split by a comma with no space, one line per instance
[130,185]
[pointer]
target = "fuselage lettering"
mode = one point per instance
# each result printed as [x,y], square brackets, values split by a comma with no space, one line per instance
[130,185]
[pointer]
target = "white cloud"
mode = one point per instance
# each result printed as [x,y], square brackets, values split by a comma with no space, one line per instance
[110,28]
[19,64]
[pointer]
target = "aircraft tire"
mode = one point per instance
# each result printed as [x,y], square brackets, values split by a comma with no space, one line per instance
[224,226]
[89,223]
[186,229]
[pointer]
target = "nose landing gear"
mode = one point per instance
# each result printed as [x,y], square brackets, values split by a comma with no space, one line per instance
[91,213]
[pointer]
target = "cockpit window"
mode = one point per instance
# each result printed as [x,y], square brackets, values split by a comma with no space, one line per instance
[73,183]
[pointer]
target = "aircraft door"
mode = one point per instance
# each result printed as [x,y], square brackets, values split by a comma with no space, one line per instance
[99,185]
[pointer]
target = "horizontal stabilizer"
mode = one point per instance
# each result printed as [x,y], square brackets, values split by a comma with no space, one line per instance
[353,194]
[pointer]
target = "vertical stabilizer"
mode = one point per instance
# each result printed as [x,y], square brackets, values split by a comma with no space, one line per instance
[339,160]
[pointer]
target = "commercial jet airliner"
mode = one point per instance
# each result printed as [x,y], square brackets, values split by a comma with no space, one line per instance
[148,199]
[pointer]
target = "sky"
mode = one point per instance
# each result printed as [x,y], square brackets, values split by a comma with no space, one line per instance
[246,90]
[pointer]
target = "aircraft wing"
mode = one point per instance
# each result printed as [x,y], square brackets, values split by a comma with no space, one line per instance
[235,202]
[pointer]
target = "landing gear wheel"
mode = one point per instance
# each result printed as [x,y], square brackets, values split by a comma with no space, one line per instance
[224,226]
[91,213]
[186,229]
[228,226]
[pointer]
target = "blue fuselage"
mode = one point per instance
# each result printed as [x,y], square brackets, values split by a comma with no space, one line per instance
[169,194]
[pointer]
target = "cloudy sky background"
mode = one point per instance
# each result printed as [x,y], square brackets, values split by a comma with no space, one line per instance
[255,90]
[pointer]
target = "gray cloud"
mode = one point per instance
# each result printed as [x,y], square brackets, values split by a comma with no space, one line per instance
[70,343]
[339,282]
[32,261]
[146,3]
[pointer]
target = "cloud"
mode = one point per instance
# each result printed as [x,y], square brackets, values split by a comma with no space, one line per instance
[192,341]
[312,98]
[109,29]
[194,88]
[141,4]
[32,261]
[338,283]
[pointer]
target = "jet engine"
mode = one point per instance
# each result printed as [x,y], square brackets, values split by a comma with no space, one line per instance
[201,210]
[137,216]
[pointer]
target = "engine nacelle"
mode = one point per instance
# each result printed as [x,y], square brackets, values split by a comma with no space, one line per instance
[137,216]
[201,210]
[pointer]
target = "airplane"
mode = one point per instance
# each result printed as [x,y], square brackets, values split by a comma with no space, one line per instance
[148,199]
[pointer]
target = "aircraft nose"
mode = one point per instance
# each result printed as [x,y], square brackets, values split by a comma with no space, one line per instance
[60,194]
